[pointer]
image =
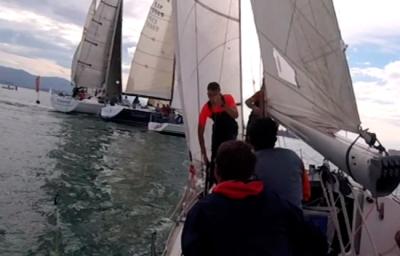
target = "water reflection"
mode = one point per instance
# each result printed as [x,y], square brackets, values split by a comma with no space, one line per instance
[115,185]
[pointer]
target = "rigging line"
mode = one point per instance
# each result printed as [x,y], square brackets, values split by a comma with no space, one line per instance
[224,48]
[197,58]
[332,210]
[216,48]
[364,221]
[346,217]
[215,11]
[192,9]
[171,59]
[241,71]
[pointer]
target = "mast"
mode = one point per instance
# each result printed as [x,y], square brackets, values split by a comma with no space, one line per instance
[173,81]
[241,69]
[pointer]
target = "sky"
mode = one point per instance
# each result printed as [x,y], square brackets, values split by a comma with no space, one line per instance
[40,36]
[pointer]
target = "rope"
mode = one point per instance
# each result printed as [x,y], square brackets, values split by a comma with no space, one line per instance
[346,218]
[348,157]
[333,213]
[364,220]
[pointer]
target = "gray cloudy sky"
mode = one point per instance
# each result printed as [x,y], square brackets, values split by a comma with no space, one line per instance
[47,32]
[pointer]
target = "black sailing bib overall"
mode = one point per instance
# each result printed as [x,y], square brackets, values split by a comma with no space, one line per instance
[224,129]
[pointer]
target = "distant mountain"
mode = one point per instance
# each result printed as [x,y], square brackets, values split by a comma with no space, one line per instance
[22,78]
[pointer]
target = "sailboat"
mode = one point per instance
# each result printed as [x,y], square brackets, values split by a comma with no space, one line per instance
[96,65]
[309,92]
[152,69]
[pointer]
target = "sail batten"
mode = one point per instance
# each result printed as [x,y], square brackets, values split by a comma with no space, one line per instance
[314,85]
[152,66]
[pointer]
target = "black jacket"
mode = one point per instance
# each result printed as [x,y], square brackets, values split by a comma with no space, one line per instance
[242,219]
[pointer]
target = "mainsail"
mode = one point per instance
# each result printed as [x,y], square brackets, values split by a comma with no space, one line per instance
[307,75]
[89,17]
[152,69]
[208,44]
[92,60]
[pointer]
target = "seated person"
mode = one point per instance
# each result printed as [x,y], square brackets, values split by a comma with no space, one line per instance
[281,169]
[242,218]
[125,101]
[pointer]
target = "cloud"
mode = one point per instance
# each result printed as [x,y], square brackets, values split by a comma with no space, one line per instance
[38,66]
[51,30]
[370,22]
[24,21]
[378,93]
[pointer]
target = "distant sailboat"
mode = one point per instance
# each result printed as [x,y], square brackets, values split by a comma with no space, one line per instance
[152,68]
[96,65]
[309,91]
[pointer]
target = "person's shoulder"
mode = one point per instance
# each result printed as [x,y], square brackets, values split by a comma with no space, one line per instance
[287,152]
[274,202]
[229,100]
[206,203]
[228,96]
[205,108]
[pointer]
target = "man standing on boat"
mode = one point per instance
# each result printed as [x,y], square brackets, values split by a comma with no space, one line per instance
[221,108]
[257,105]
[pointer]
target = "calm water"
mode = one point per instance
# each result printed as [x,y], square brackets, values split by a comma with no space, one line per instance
[114,184]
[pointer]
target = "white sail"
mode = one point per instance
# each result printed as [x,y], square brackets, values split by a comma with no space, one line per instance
[89,17]
[95,47]
[305,65]
[176,102]
[208,50]
[152,69]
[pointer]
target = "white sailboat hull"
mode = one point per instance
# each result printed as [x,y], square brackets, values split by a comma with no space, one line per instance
[167,128]
[378,235]
[68,104]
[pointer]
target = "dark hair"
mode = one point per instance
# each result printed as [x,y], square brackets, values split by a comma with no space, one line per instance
[214,86]
[262,133]
[235,161]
